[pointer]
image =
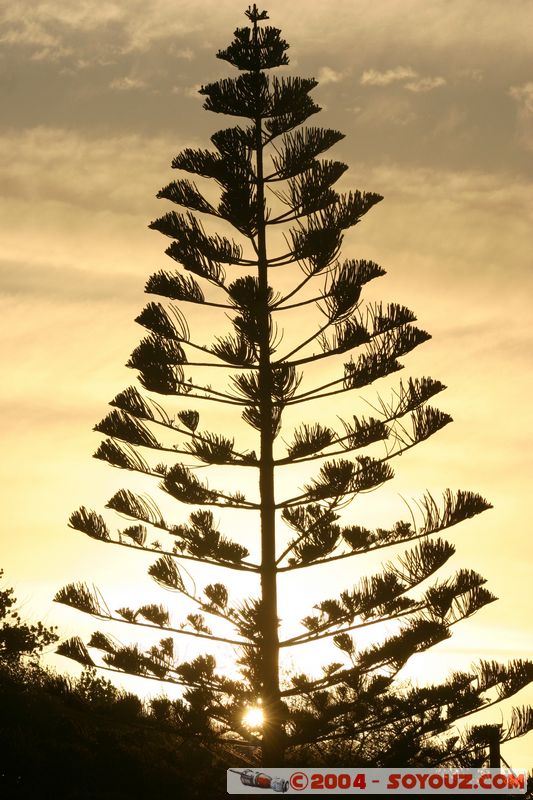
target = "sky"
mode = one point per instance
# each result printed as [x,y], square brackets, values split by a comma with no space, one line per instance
[436,101]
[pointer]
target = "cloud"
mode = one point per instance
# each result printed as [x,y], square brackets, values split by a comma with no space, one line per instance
[186,53]
[187,91]
[65,168]
[100,26]
[474,75]
[64,284]
[440,26]
[29,33]
[407,76]
[127,84]
[96,28]
[328,75]
[45,46]
[53,31]
[453,122]
[425,84]
[524,97]
[95,197]
[55,53]
[384,110]
[372,77]
[89,15]
[466,221]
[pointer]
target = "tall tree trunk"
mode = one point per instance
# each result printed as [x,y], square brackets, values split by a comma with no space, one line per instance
[272,745]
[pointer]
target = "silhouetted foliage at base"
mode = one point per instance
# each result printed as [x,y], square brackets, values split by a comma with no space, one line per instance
[82,738]
[17,638]
[56,743]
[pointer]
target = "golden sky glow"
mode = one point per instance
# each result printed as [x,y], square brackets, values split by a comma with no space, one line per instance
[436,101]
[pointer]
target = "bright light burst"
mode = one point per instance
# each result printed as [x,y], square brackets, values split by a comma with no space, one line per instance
[253,718]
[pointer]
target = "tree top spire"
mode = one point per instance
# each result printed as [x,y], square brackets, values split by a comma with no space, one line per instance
[254,15]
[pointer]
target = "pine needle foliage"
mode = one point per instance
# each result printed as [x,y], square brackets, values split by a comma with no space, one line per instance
[270,176]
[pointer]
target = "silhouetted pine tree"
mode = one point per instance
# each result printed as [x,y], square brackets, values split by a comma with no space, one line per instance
[354,701]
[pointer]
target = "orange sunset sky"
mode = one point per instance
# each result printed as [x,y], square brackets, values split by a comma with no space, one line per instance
[436,101]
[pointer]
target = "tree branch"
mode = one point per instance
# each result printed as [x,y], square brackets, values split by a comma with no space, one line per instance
[243,566]
[166,629]
[305,638]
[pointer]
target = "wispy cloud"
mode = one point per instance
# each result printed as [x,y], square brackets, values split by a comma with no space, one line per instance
[29,32]
[66,168]
[64,284]
[425,84]
[384,109]
[44,45]
[186,53]
[461,201]
[96,195]
[373,77]
[328,75]
[524,97]
[127,84]
[474,75]
[407,76]
[187,91]
[56,53]
[49,28]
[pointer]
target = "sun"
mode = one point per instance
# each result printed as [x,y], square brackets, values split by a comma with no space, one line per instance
[253,718]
